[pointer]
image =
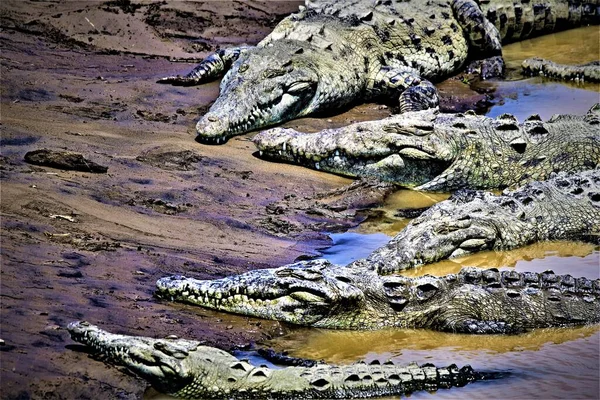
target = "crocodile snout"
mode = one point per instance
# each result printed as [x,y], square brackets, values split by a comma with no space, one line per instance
[212,129]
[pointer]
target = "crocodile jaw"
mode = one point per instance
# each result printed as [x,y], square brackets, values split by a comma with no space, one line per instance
[264,87]
[162,362]
[313,293]
[228,118]
[403,149]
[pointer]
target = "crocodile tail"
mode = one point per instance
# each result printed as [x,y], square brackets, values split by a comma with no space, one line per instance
[376,379]
[520,19]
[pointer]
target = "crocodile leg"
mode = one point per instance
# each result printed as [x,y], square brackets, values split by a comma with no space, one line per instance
[212,67]
[419,97]
[484,39]
[414,93]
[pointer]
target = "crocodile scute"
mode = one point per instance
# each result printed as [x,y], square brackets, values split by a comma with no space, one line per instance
[323,295]
[188,370]
[334,53]
[432,151]
[589,72]
[362,295]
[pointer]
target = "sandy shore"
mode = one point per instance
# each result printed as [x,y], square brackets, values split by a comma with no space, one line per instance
[80,76]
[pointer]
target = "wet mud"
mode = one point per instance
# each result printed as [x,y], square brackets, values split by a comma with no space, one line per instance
[81,245]
[80,77]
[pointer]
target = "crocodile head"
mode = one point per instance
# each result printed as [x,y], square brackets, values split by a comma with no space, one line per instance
[468,222]
[315,293]
[264,87]
[406,149]
[166,363]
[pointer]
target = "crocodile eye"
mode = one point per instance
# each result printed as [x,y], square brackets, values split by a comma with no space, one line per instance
[272,73]
[298,87]
[243,68]
[426,291]
[444,229]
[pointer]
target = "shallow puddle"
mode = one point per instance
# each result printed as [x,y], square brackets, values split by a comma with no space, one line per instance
[563,257]
[542,96]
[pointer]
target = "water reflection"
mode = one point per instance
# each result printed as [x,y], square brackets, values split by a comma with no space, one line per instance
[389,218]
[563,257]
[342,347]
[554,363]
[544,96]
[350,246]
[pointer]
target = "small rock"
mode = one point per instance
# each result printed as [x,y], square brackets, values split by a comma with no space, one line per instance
[70,274]
[63,160]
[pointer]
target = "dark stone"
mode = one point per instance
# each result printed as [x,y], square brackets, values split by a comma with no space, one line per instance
[63,160]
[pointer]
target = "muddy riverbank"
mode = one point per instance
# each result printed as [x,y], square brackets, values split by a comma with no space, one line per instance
[80,77]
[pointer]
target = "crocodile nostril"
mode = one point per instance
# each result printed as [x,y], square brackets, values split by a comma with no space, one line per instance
[212,119]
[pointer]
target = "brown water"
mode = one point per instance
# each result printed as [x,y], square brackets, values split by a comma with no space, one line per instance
[385,219]
[575,46]
[559,363]
[546,97]
[555,363]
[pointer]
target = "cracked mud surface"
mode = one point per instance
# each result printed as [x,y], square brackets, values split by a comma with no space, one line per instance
[80,77]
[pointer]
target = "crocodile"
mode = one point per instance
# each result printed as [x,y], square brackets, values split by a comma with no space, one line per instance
[333,53]
[187,369]
[362,295]
[566,207]
[585,72]
[432,151]
[320,294]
